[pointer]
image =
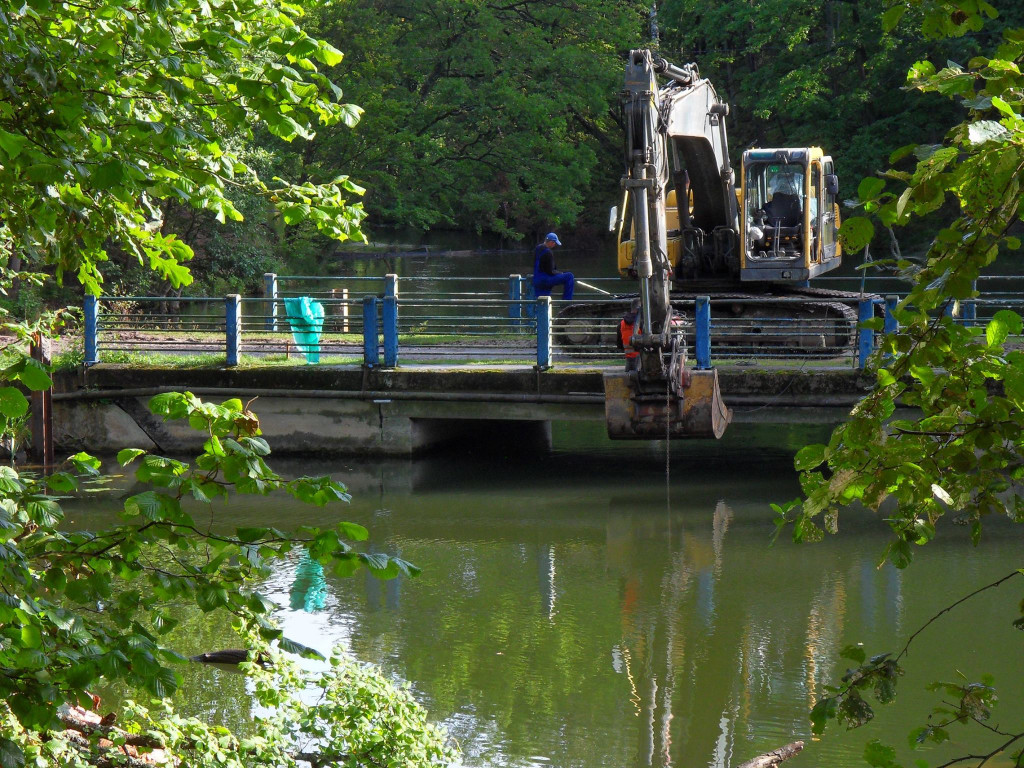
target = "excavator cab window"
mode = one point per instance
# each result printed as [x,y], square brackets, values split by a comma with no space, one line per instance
[775,209]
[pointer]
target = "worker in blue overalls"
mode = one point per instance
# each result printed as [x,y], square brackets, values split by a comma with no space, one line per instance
[545,276]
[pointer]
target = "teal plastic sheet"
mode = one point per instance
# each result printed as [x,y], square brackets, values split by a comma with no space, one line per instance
[309,589]
[306,318]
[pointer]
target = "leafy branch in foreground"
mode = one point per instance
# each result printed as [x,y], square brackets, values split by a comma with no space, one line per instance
[962,454]
[78,607]
[109,110]
[877,677]
[956,447]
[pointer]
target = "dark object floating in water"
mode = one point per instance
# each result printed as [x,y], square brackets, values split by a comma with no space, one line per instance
[229,656]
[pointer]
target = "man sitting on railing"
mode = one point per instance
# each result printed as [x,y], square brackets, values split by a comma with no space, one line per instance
[545,276]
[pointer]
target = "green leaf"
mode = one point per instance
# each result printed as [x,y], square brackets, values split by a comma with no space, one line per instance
[13,404]
[165,682]
[809,457]
[61,482]
[854,653]
[870,188]
[12,143]
[892,17]
[299,649]
[329,55]
[856,232]
[353,531]
[823,711]
[108,175]
[987,130]
[34,376]
[128,455]
[30,636]
[11,755]
[1002,324]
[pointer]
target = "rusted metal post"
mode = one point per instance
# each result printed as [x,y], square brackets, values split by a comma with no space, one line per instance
[42,409]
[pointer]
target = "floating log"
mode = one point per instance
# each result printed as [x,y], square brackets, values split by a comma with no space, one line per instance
[772,759]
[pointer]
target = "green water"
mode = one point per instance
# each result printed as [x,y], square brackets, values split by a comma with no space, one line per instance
[578,609]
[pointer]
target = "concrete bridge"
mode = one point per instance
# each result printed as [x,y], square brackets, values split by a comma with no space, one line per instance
[358,410]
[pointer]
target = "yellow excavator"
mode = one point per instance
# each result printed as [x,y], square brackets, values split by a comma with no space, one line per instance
[704,236]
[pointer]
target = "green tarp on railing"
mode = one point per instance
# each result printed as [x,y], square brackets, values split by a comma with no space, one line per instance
[306,318]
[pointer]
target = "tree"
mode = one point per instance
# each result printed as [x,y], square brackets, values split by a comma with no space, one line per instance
[111,107]
[112,112]
[961,457]
[800,73]
[482,116]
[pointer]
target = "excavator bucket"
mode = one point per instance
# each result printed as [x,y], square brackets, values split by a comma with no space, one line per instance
[633,415]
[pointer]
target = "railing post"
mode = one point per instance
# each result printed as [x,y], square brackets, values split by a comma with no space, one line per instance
[270,291]
[891,324]
[233,328]
[391,285]
[515,294]
[544,332]
[703,333]
[41,448]
[92,316]
[866,337]
[371,352]
[390,316]
[969,311]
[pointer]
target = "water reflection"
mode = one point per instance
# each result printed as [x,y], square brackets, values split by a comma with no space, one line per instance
[575,611]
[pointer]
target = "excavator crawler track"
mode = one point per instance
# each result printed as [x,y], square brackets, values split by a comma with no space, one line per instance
[821,324]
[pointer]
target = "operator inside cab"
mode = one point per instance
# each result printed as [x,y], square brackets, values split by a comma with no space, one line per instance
[783,206]
[775,205]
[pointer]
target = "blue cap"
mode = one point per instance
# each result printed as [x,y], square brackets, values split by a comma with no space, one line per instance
[553,237]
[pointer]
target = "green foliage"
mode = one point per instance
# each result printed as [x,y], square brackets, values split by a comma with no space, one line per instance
[481,116]
[109,112]
[800,73]
[89,605]
[961,454]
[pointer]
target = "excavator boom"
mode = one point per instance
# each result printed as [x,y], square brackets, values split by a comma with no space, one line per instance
[661,398]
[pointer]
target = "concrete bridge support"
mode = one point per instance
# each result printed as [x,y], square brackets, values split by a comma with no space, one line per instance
[336,410]
[294,425]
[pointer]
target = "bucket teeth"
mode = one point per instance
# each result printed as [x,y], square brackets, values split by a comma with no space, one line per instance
[698,413]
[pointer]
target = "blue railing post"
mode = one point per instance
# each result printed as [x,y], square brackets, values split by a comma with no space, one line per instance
[233,328]
[891,324]
[544,332]
[371,352]
[703,333]
[92,317]
[969,313]
[270,291]
[866,337]
[390,317]
[515,294]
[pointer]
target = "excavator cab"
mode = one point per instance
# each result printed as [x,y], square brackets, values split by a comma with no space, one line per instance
[790,216]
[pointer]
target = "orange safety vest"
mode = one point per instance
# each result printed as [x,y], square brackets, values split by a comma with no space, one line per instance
[626,334]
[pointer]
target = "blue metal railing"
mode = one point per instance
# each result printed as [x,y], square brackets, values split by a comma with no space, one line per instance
[372,320]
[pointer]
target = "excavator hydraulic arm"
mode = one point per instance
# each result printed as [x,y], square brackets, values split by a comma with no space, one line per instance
[662,398]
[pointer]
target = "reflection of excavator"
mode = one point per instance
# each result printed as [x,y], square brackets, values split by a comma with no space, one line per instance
[764,240]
